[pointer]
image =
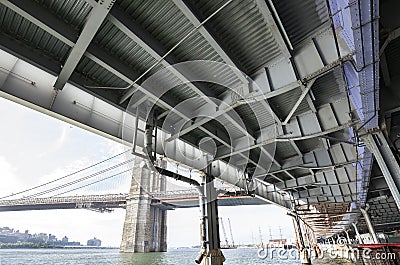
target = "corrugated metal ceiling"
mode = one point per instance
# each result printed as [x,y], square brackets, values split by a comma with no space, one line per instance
[73,12]
[301,18]
[238,23]
[121,46]
[16,25]
[95,72]
[329,87]
[283,103]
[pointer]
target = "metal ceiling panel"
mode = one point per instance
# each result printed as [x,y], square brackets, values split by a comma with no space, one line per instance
[309,145]
[283,103]
[242,22]
[232,130]
[122,47]
[301,18]
[16,25]
[256,116]
[73,12]
[168,25]
[284,150]
[95,72]
[329,87]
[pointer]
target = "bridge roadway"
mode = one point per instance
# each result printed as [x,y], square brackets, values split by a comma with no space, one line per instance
[107,202]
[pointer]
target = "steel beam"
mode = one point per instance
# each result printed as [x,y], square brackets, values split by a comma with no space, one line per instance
[376,142]
[369,225]
[385,70]
[44,19]
[360,241]
[298,102]
[392,35]
[93,23]
[270,21]
[221,155]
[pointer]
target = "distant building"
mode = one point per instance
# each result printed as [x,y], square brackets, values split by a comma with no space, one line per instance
[43,237]
[74,243]
[9,235]
[6,231]
[94,242]
[52,238]
[64,239]
[276,243]
[8,239]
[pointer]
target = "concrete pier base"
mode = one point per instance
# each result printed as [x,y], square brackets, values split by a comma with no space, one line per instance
[213,257]
[145,227]
[305,257]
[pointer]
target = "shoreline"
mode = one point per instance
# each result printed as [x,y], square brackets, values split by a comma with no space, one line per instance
[45,246]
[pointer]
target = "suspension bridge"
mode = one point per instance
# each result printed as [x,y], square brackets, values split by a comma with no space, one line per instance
[107,202]
[49,195]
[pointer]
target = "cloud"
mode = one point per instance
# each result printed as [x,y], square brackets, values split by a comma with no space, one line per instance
[58,143]
[9,181]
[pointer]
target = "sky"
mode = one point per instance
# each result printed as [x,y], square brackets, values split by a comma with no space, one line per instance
[36,148]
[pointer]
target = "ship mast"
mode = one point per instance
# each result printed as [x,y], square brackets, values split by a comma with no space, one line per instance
[261,240]
[230,229]
[223,230]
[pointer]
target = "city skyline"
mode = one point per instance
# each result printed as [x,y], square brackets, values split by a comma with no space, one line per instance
[43,235]
[53,148]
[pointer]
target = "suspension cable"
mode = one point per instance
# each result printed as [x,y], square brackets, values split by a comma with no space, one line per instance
[66,176]
[80,180]
[92,183]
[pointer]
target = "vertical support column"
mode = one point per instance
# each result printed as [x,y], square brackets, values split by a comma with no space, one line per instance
[347,237]
[360,241]
[211,253]
[387,162]
[304,255]
[145,226]
[369,225]
[162,218]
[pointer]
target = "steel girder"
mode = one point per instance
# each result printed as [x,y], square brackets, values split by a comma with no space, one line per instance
[379,146]
[93,23]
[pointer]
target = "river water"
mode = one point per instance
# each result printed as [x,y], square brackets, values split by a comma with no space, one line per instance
[113,257]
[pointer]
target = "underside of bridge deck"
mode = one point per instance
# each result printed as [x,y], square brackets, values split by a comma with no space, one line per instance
[294,102]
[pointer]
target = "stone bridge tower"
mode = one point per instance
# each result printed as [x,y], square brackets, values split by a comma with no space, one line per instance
[145,226]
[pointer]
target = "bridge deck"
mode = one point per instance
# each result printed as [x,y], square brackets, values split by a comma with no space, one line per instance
[111,201]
